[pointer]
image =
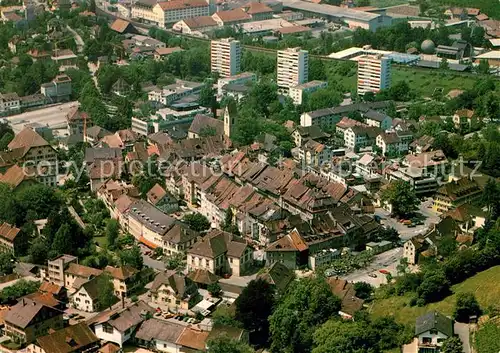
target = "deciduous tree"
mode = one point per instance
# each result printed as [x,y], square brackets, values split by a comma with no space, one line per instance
[402,197]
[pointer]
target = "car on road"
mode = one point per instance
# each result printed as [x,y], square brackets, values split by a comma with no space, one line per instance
[372,275]
[385,272]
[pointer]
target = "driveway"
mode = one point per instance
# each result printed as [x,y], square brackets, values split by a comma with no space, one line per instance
[462,330]
[149,262]
[387,260]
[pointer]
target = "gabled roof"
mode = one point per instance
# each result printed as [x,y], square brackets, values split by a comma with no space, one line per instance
[200,22]
[193,339]
[122,273]
[120,25]
[167,51]
[253,8]
[50,288]
[278,275]
[26,139]
[182,285]
[23,313]
[8,232]
[69,339]
[434,321]
[203,276]
[235,15]
[180,234]
[218,242]
[156,194]
[350,304]
[201,122]
[293,241]
[464,212]
[181,4]
[154,329]
[82,271]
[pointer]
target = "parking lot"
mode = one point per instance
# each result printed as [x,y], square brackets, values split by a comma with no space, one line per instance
[429,216]
[53,117]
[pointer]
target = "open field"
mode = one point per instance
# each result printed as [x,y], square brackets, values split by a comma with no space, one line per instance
[387,3]
[484,285]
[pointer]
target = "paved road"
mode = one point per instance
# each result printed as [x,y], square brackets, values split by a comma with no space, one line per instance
[78,39]
[387,260]
[462,330]
[149,262]
[53,117]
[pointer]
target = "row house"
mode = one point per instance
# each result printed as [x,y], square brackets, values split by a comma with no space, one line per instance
[357,137]
[456,193]
[394,142]
[10,238]
[76,338]
[118,198]
[174,290]
[166,13]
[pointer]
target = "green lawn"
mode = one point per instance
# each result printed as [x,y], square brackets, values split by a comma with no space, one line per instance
[487,339]
[387,3]
[484,285]
[490,7]
[102,241]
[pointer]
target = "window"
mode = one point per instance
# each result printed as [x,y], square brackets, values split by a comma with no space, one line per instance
[107,328]
[434,332]
[426,340]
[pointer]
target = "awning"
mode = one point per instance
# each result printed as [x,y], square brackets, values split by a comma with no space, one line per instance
[148,243]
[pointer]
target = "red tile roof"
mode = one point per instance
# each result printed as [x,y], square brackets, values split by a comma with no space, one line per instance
[181,4]
[236,15]
[9,232]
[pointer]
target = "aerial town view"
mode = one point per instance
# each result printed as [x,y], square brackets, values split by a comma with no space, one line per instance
[238,176]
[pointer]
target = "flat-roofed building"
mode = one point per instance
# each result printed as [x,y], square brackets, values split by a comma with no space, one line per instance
[292,67]
[297,92]
[225,56]
[374,73]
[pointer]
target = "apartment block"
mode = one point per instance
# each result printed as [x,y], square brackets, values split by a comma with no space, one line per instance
[225,56]
[374,73]
[293,67]
[297,92]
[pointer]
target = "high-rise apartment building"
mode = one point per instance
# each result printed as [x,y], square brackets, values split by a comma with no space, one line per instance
[225,56]
[293,67]
[374,73]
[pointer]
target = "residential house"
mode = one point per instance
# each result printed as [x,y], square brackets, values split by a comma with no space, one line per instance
[344,290]
[203,125]
[148,224]
[75,274]
[28,320]
[416,247]
[118,198]
[277,275]
[119,325]
[72,339]
[65,58]
[315,154]
[367,166]
[10,238]
[162,199]
[103,164]
[123,139]
[463,118]
[32,149]
[124,279]
[456,193]
[468,217]
[178,239]
[77,121]
[59,292]
[422,144]
[123,27]
[220,252]
[165,13]
[345,123]
[174,290]
[160,335]
[290,251]
[9,103]
[95,133]
[357,137]
[377,119]
[431,330]
[56,268]
[86,297]
[162,53]
[303,133]
[394,142]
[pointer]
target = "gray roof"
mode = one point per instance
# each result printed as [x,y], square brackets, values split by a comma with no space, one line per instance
[151,217]
[374,115]
[105,153]
[341,109]
[23,313]
[130,316]
[160,330]
[182,285]
[434,321]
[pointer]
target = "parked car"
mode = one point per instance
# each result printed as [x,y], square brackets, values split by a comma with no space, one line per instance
[385,272]
[372,275]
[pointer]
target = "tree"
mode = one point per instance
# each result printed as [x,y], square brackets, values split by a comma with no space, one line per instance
[307,304]
[363,290]
[443,65]
[254,306]
[63,240]
[224,344]
[483,67]
[6,263]
[402,197]
[132,257]
[112,231]
[105,296]
[434,287]
[389,234]
[18,290]
[323,98]
[452,345]
[5,140]
[175,261]
[196,221]
[38,251]
[491,196]
[466,306]
[361,3]
[402,267]
[228,225]
[207,95]
[214,289]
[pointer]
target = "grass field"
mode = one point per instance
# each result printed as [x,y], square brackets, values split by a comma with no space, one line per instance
[487,339]
[484,285]
[387,3]
[102,241]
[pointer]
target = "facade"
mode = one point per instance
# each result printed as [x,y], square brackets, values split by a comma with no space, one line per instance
[292,67]
[28,320]
[9,103]
[166,13]
[195,25]
[220,252]
[75,275]
[56,267]
[244,78]
[86,298]
[377,119]
[124,279]
[394,142]
[169,94]
[225,56]
[174,290]
[374,73]
[315,154]
[297,92]
[359,137]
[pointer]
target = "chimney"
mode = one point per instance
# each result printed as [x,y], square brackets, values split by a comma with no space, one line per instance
[123,301]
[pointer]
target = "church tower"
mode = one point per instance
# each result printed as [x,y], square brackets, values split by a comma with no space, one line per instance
[230,115]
